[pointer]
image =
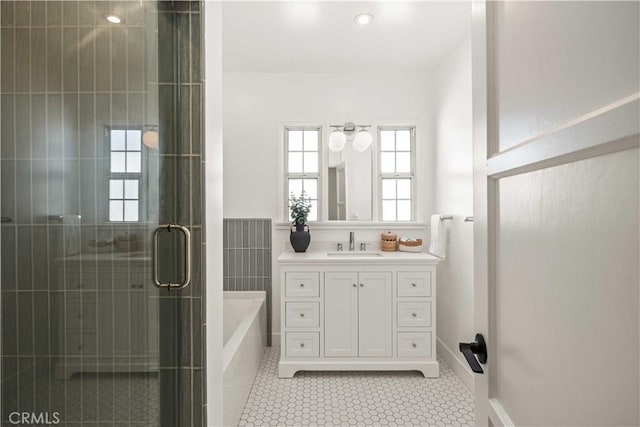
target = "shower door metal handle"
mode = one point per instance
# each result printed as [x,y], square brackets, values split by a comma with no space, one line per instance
[187,256]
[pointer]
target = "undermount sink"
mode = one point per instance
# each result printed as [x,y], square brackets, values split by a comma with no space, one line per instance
[355,254]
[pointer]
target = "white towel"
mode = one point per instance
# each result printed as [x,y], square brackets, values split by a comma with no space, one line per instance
[71,230]
[438,237]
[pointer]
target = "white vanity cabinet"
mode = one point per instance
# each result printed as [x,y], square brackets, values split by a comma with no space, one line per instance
[356,313]
[108,316]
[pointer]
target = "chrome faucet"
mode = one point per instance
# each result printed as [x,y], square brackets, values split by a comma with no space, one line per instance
[352,241]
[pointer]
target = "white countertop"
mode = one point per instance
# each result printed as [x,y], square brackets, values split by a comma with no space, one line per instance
[356,257]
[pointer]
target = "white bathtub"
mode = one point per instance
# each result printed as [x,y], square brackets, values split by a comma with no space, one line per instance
[245,338]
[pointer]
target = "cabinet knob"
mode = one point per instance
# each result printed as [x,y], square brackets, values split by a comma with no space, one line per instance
[414,285]
[302,285]
[361,285]
[354,285]
[301,314]
[79,316]
[414,314]
[301,344]
[80,347]
[414,345]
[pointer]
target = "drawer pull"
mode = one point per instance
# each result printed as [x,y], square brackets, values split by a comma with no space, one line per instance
[301,314]
[414,314]
[414,285]
[301,344]
[302,285]
[414,345]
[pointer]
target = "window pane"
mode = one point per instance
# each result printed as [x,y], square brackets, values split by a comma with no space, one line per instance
[404,189]
[295,187]
[403,140]
[311,162]
[131,189]
[311,188]
[313,213]
[403,162]
[134,162]
[388,188]
[404,210]
[117,140]
[130,210]
[387,162]
[115,189]
[117,162]
[387,140]
[115,210]
[389,210]
[295,162]
[310,140]
[133,140]
[295,140]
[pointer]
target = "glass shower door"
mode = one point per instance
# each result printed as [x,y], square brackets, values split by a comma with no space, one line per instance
[101,233]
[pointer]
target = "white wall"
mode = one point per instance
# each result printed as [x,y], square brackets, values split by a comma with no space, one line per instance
[257,104]
[213,203]
[454,195]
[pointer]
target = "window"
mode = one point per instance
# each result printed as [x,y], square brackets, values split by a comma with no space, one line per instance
[125,152]
[397,148]
[303,164]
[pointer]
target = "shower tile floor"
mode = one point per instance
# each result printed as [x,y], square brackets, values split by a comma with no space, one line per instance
[356,398]
[104,400]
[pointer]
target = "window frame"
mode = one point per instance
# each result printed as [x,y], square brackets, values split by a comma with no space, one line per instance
[411,175]
[302,175]
[139,176]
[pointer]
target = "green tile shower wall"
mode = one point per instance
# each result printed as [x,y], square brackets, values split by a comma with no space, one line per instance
[247,258]
[65,74]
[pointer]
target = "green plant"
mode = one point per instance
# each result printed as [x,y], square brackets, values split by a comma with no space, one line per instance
[299,207]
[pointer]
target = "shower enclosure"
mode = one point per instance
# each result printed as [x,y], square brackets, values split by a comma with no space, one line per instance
[102,300]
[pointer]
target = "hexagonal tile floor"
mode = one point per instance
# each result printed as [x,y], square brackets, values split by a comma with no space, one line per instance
[356,398]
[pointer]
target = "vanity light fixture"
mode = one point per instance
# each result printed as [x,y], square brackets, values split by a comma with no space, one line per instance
[361,138]
[113,18]
[363,18]
[151,138]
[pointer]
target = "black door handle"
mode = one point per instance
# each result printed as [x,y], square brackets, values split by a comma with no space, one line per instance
[469,350]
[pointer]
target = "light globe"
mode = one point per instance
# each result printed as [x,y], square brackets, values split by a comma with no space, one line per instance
[362,141]
[337,140]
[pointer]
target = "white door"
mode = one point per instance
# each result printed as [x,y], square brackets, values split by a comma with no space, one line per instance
[340,315]
[556,234]
[375,315]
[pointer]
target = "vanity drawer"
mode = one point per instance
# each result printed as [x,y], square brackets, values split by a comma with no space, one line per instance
[81,344]
[414,313]
[301,285]
[302,314]
[414,344]
[414,284]
[303,344]
[81,316]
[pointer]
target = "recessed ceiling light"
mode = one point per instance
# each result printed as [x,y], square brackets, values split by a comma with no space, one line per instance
[363,18]
[114,19]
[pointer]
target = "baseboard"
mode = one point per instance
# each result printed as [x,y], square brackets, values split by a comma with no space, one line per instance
[457,365]
[275,339]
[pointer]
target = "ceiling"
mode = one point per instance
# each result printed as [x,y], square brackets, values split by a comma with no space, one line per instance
[322,37]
